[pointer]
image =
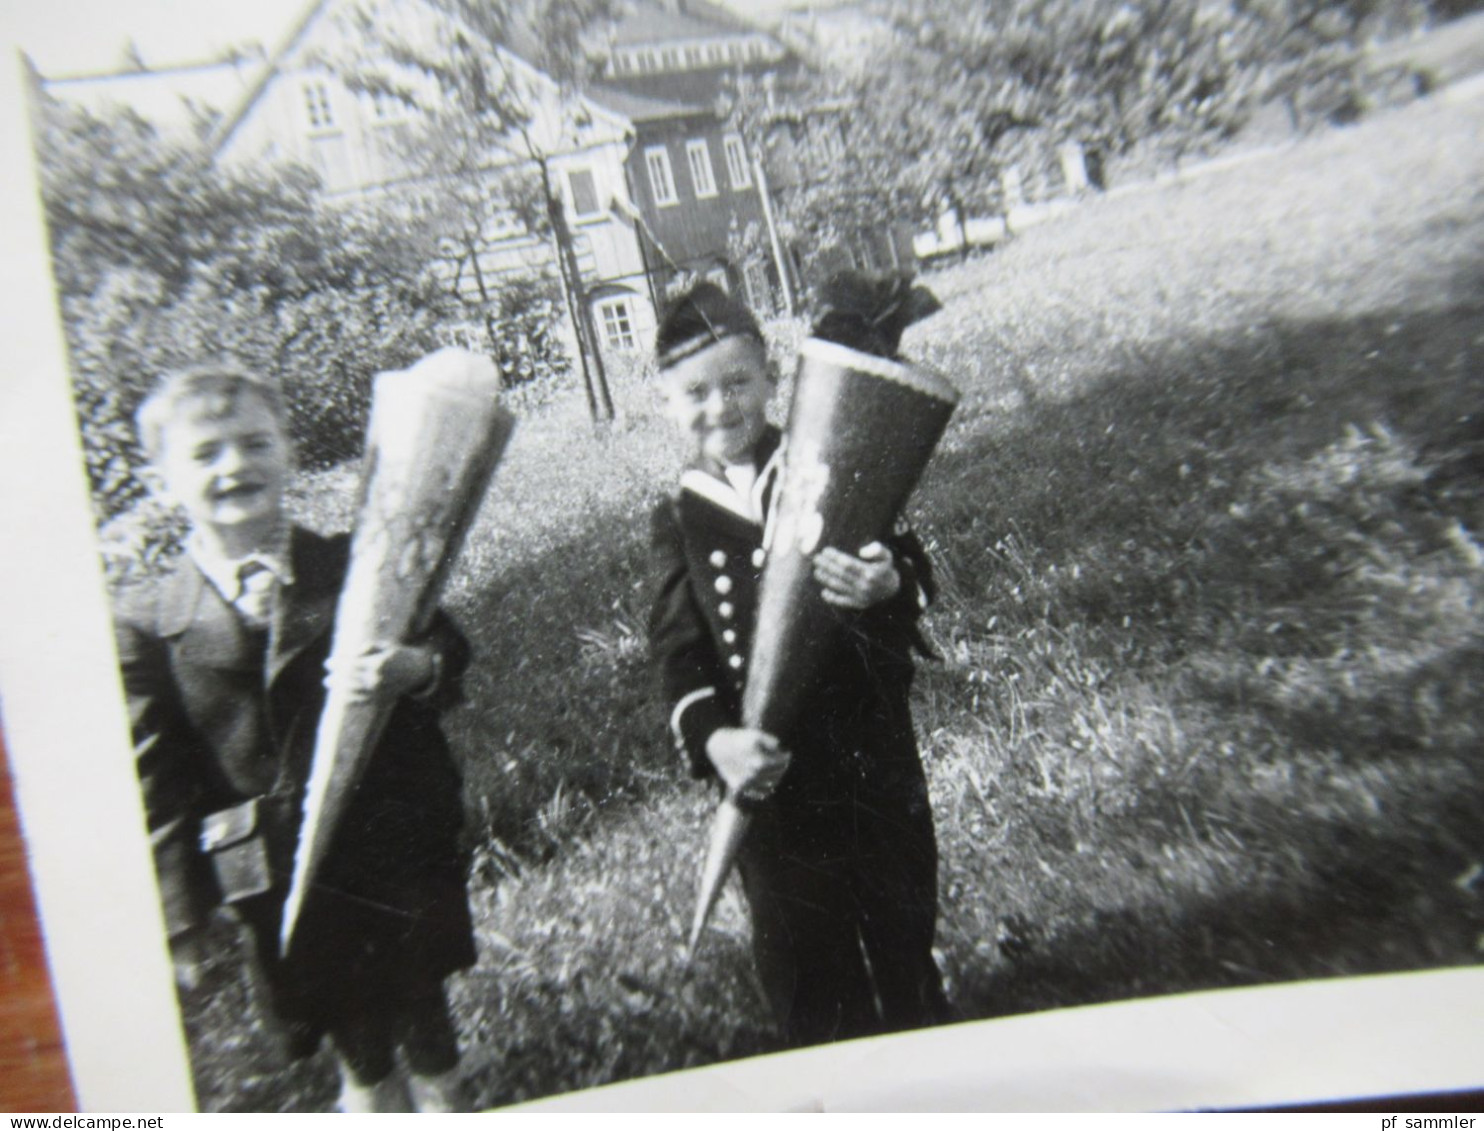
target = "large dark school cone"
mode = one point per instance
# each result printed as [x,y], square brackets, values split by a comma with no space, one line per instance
[860,432]
[437,431]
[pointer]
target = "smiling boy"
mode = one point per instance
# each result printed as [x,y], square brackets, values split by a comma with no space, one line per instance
[840,865]
[224,666]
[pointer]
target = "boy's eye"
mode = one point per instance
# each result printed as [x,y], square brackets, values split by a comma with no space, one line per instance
[206,453]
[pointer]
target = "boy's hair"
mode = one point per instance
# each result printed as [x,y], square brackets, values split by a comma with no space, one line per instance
[700,317]
[217,388]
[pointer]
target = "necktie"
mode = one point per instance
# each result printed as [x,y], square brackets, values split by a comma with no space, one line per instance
[254,593]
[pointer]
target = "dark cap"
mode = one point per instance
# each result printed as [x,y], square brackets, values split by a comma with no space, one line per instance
[700,317]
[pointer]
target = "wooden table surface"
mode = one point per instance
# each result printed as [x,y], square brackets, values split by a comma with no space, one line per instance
[33,1066]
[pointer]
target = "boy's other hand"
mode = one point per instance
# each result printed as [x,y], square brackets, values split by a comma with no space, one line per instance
[857,582]
[391,670]
[751,762]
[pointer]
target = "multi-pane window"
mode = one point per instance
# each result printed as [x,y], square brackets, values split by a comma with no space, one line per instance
[736,153]
[618,323]
[698,155]
[693,56]
[584,193]
[661,180]
[317,105]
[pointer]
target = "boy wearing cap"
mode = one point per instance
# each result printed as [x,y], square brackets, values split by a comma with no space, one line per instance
[224,665]
[840,864]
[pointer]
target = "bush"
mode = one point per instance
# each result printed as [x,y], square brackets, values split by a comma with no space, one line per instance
[163,261]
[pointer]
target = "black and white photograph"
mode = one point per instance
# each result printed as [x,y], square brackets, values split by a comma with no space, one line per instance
[599,538]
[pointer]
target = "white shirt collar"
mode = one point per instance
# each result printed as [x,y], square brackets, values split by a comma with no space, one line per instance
[223,573]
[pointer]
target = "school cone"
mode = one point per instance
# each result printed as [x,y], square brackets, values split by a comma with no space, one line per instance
[436,433]
[860,433]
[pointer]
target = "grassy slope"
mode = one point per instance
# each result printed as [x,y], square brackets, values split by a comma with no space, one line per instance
[1212,634]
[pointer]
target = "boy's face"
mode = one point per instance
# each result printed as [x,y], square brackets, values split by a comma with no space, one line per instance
[227,469]
[719,398]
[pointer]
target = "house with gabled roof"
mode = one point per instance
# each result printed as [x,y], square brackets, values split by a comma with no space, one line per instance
[184,100]
[306,109]
[654,190]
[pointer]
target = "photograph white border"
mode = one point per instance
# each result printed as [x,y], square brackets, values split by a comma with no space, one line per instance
[67,739]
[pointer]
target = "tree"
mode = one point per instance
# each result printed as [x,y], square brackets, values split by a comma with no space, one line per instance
[496,90]
[163,261]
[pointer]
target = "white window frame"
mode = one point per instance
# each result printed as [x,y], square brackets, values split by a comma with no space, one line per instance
[702,171]
[318,108]
[662,186]
[739,173]
[616,320]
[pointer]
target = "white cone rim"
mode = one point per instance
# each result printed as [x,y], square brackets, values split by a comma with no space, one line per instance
[914,377]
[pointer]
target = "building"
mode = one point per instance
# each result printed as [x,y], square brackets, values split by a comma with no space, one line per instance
[361,142]
[698,189]
[185,100]
[696,198]
[655,192]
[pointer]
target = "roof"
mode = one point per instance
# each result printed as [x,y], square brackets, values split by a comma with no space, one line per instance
[639,108]
[224,131]
[170,98]
[650,23]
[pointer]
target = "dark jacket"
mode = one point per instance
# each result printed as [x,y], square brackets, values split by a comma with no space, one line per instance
[840,864]
[221,714]
[707,564]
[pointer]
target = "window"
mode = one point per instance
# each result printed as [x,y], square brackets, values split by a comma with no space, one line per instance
[317,105]
[670,57]
[737,170]
[693,56]
[698,154]
[661,180]
[387,107]
[617,322]
[584,193]
[713,52]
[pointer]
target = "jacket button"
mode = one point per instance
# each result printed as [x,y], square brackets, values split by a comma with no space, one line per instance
[734,662]
[726,610]
[723,585]
[758,557]
[729,636]
[718,559]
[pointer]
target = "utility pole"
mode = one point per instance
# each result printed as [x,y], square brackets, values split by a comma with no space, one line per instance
[773,240]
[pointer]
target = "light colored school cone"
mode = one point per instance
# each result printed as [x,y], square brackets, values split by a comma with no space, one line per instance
[436,433]
[861,430]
